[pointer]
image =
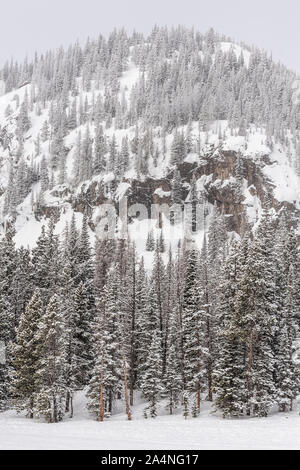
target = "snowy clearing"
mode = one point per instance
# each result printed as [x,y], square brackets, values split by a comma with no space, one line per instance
[209,431]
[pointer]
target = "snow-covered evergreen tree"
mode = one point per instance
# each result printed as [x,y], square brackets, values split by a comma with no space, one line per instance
[50,401]
[151,384]
[26,356]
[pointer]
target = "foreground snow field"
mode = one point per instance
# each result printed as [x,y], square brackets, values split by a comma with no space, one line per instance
[209,431]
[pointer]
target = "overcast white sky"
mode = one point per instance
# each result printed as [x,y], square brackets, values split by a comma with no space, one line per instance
[30,25]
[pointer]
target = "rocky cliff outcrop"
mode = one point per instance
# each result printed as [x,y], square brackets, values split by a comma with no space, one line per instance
[221,186]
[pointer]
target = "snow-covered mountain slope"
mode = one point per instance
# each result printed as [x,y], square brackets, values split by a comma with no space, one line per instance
[236,167]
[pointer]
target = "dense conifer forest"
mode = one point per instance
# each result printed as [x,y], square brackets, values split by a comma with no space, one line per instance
[213,321]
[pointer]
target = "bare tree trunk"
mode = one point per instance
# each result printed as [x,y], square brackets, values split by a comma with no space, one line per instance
[199,370]
[208,332]
[250,362]
[167,317]
[71,406]
[209,363]
[54,410]
[30,414]
[110,401]
[210,397]
[198,390]
[101,416]
[125,386]
[67,402]
[132,342]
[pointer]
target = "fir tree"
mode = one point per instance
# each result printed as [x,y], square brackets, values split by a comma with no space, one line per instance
[230,371]
[26,356]
[192,335]
[52,363]
[150,244]
[151,384]
[172,379]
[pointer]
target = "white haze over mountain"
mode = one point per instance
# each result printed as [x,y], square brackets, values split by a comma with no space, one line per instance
[269,25]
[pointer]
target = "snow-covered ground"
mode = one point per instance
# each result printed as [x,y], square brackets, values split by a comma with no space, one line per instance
[209,431]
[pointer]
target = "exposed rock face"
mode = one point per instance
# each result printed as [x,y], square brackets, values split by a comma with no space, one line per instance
[144,192]
[90,196]
[220,188]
